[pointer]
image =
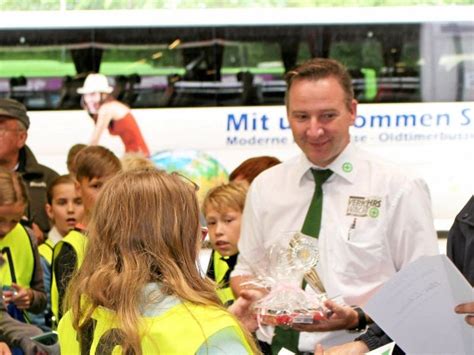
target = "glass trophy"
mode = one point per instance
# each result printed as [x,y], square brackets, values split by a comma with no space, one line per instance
[303,253]
[288,261]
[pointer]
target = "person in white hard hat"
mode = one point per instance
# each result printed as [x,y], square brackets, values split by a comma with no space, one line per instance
[108,113]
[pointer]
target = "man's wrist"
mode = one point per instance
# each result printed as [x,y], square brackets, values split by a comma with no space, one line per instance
[361,322]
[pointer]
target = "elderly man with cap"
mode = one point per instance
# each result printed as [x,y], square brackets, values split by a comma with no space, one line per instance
[16,156]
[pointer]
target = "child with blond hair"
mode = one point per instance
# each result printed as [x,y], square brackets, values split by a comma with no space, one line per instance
[21,272]
[222,207]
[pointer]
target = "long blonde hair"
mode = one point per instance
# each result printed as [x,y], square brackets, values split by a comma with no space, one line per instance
[144,228]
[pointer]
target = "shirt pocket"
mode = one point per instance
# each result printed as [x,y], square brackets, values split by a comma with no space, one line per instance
[357,250]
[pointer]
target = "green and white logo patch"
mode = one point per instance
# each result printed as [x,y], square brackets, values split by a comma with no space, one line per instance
[360,206]
[374,212]
[347,167]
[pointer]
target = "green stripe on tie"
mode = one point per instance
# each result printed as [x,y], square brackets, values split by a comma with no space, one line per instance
[312,222]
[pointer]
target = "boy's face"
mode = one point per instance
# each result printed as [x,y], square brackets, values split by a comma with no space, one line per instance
[89,190]
[66,208]
[224,230]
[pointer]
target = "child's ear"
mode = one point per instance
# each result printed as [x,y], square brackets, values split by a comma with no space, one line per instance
[49,211]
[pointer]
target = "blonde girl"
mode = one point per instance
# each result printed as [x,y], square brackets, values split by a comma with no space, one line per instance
[21,275]
[139,287]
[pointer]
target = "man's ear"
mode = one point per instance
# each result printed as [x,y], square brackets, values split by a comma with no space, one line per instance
[22,137]
[353,111]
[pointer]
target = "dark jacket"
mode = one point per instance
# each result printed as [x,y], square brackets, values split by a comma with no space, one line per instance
[460,248]
[375,337]
[37,178]
[15,333]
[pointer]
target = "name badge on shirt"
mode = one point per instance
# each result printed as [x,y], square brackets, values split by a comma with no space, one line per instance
[359,206]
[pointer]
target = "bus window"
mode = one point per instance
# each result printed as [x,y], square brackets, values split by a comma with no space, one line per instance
[447,70]
[390,59]
[141,73]
[34,75]
[303,52]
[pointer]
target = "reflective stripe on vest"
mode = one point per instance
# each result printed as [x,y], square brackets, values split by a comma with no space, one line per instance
[78,241]
[181,330]
[220,268]
[19,257]
[46,250]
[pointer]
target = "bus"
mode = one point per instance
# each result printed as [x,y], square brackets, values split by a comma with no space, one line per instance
[210,82]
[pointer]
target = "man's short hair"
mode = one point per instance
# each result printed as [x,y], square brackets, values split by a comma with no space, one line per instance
[321,68]
[13,109]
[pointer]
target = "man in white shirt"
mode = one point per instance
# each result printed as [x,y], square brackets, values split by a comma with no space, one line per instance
[375,218]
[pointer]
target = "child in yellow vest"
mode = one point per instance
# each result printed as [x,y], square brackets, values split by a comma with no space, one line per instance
[21,275]
[139,287]
[222,207]
[65,211]
[93,166]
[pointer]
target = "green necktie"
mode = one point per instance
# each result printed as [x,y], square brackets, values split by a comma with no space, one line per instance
[289,338]
[312,222]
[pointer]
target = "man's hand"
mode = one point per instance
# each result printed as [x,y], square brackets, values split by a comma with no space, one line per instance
[237,281]
[352,348]
[342,317]
[242,308]
[22,298]
[466,308]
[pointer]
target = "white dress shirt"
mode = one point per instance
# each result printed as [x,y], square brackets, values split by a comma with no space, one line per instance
[375,219]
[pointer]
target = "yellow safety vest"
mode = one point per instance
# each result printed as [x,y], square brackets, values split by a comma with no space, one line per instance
[220,268]
[79,242]
[46,250]
[180,330]
[17,251]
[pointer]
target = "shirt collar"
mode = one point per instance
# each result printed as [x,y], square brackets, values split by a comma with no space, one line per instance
[345,165]
[54,235]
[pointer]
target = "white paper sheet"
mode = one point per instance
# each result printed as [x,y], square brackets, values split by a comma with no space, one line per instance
[416,308]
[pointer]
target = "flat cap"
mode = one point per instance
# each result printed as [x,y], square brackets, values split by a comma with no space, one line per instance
[14,109]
